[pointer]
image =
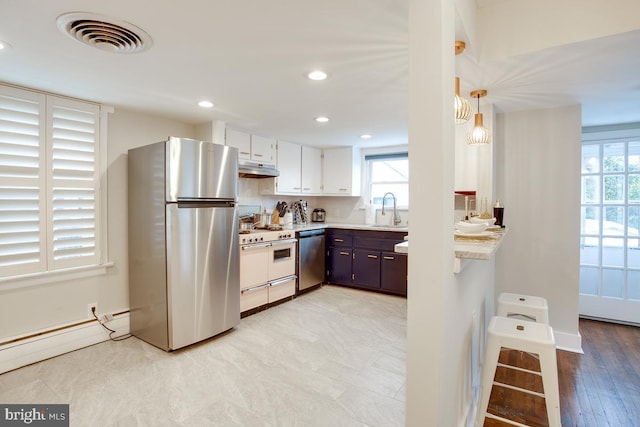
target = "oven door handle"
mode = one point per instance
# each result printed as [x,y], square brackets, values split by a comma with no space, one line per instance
[257,288]
[255,246]
[283,242]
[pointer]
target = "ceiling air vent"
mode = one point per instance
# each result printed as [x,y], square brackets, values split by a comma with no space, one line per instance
[104,33]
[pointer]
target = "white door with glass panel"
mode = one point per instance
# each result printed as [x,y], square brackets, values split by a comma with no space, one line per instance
[610,221]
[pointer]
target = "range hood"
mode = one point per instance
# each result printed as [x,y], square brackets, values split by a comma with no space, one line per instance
[257,170]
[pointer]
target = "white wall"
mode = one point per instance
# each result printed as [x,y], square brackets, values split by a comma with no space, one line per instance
[508,28]
[34,309]
[539,156]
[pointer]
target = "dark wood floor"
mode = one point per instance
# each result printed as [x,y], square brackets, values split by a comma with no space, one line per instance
[599,388]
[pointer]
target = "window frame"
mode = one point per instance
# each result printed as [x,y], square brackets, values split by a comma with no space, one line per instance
[400,152]
[599,137]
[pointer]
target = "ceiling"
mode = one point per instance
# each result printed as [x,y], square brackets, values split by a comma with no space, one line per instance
[251,58]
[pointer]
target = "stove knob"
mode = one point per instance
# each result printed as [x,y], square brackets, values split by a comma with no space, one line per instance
[261,238]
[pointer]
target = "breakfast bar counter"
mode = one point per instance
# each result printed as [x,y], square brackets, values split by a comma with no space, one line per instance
[469,247]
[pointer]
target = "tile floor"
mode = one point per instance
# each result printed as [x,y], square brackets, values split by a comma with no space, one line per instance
[331,357]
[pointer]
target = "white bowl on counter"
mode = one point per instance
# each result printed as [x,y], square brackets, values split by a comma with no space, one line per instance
[478,220]
[471,228]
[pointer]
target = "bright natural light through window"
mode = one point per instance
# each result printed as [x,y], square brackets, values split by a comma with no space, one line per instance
[49,183]
[388,173]
[610,219]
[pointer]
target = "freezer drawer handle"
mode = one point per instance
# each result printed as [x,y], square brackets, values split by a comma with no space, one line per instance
[256,246]
[257,288]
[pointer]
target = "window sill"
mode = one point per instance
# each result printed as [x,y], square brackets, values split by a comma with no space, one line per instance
[49,277]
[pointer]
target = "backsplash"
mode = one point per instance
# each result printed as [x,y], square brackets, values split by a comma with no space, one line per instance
[345,210]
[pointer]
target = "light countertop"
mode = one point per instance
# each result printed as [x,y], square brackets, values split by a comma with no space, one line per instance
[469,247]
[318,225]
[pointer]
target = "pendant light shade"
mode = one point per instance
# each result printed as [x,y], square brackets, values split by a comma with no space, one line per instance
[461,105]
[478,135]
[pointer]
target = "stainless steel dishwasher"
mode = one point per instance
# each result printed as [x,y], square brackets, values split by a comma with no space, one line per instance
[310,265]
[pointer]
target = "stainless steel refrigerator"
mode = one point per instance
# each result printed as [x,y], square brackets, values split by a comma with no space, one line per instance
[184,279]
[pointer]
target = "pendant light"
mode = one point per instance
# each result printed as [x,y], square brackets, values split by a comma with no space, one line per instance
[461,105]
[479,134]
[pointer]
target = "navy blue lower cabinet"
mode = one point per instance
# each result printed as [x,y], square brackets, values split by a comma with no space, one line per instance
[366,268]
[365,259]
[339,265]
[393,272]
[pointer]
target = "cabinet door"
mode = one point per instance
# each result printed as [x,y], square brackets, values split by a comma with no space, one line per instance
[240,140]
[366,268]
[289,168]
[393,272]
[263,149]
[339,265]
[340,172]
[311,170]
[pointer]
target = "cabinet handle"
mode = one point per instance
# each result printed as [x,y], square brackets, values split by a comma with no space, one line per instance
[344,253]
[372,256]
[342,189]
[296,188]
[389,257]
[244,152]
[338,240]
[257,155]
[306,188]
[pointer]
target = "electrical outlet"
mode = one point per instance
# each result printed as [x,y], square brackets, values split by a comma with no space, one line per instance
[91,307]
[106,318]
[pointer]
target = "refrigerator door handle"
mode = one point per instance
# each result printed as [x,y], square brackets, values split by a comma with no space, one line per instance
[205,203]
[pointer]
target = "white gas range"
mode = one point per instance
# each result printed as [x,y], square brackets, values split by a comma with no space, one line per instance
[267,267]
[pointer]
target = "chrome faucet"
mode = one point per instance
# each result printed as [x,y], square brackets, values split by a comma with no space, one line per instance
[396,217]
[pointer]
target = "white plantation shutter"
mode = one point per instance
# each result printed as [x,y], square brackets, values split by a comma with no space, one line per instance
[22,179]
[74,181]
[49,183]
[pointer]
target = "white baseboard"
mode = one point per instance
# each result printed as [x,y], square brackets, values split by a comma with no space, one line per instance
[35,349]
[568,342]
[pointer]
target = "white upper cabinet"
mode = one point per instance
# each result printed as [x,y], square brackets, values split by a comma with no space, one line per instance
[252,147]
[240,140]
[311,176]
[263,150]
[341,171]
[289,166]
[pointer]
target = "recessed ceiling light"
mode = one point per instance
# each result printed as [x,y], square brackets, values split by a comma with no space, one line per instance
[206,104]
[322,119]
[4,45]
[317,75]
[365,136]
